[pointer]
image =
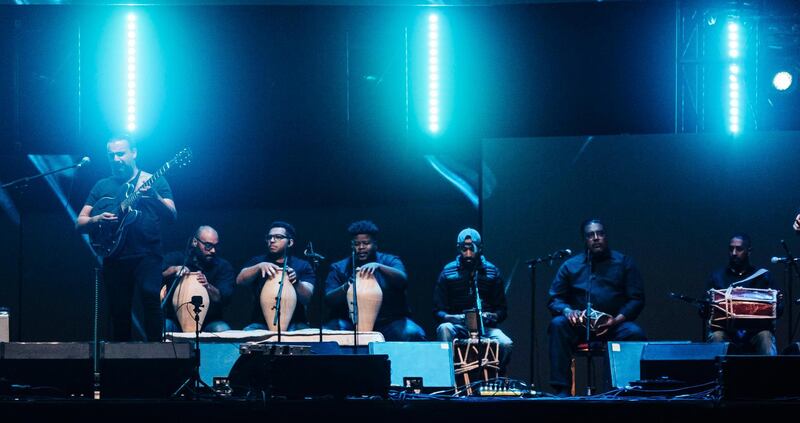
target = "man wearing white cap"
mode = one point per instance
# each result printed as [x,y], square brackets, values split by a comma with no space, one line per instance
[455,292]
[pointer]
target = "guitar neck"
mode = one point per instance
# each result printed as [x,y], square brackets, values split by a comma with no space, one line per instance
[133,198]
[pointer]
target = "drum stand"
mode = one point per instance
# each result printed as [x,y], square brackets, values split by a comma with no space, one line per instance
[194,383]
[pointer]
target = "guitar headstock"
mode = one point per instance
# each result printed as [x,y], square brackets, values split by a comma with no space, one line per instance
[182,159]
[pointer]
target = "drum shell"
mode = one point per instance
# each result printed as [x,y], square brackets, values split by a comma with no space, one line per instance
[370,297]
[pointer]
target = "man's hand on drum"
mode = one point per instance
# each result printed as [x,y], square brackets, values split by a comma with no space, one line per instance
[213,291]
[575,317]
[292,275]
[368,269]
[268,269]
[178,271]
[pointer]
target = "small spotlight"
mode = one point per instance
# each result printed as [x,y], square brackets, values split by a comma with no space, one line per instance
[782,81]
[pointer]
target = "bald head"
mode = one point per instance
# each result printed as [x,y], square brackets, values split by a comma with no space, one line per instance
[205,242]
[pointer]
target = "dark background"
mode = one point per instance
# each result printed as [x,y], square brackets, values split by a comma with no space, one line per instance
[312,114]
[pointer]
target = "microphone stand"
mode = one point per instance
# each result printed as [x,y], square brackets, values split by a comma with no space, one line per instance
[315,262]
[478,302]
[171,291]
[355,302]
[276,321]
[20,184]
[589,370]
[791,264]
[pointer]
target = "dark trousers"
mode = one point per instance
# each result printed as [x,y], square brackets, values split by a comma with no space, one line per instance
[132,287]
[564,337]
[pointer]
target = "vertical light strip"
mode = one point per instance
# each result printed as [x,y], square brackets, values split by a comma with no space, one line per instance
[734,80]
[434,125]
[131,66]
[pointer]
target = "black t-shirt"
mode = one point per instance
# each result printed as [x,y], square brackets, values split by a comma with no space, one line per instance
[143,236]
[218,272]
[304,273]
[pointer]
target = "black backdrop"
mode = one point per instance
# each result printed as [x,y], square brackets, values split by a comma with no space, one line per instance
[671,202]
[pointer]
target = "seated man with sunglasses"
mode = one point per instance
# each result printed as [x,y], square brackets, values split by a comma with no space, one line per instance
[280,239]
[215,274]
[455,293]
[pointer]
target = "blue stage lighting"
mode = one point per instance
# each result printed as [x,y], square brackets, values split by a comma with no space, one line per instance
[131,29]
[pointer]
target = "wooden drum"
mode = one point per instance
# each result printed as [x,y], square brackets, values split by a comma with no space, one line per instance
[742,308]
[269,296]
[187,288]
[370,297]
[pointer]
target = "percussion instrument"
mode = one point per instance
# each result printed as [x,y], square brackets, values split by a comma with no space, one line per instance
[187,288]
[741,308]
[596,319]
[268,298]
[370,297]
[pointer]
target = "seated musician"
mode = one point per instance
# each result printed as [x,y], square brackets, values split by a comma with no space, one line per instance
[455,292]
[214,273]
[280,239]
[393,319]
[758,340]
[616,288]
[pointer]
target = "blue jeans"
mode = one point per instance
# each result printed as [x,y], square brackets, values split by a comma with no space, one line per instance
[564,337]
[402,329]
[215,326]
[447,332]
[760,342]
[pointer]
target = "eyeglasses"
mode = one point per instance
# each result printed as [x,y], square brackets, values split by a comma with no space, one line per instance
[276,237]
[208,246]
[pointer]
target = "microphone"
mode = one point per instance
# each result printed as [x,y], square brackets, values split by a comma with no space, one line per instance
[776,260]
[84,161]
[562,253]
[309,253]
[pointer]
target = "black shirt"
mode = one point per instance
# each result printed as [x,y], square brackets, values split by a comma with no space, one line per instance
[454,290]
[218,272]
[616,287]
[143,236]
[304,273]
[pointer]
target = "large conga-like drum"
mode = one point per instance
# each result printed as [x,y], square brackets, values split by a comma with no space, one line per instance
[187,288]
[370,297]
[742,308]
[269,297]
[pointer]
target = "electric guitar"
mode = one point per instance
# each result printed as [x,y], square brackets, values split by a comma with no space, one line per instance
[107,236]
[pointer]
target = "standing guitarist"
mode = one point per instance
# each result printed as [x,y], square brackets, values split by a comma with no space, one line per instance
[133,273]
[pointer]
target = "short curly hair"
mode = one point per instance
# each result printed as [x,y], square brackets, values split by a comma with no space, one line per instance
[290,232]
[363,227]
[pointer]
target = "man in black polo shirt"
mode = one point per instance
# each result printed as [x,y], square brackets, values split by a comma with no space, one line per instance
[215,274]
[135,270]
[280,239]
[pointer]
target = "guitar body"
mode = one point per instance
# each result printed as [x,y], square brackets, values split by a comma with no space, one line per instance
[107,237]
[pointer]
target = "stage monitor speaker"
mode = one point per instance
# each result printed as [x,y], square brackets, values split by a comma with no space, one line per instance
[689,364]
[217,358]
[47,368]
[144,369]
[748,377]
[431,361]
[298,376]
[624,361]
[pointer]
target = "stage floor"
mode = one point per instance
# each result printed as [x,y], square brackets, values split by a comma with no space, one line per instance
[402,407]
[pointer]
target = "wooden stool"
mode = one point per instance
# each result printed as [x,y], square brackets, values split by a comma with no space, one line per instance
[590,351]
